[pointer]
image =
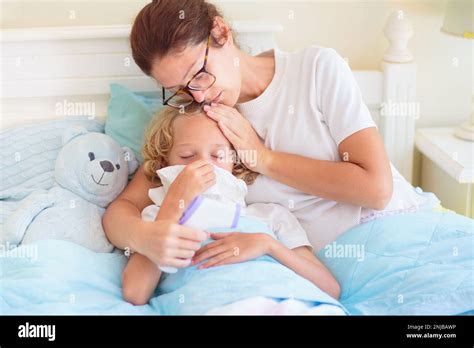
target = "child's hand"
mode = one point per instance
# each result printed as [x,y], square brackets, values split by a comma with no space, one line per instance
[233,247]
[193,180]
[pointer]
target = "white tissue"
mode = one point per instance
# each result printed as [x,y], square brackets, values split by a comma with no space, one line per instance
[227,189]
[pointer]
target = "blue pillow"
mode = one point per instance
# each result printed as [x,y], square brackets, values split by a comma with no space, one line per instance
[129,114]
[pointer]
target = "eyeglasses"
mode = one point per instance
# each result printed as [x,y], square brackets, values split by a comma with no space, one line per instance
[201,81]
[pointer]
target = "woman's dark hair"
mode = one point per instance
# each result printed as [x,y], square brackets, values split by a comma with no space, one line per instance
[164,26]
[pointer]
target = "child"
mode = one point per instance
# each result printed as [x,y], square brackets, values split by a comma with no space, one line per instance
[190,149]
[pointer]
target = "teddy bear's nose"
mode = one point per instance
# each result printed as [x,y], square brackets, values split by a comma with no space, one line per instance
[107,166]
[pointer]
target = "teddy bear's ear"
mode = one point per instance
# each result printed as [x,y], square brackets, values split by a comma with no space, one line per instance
[72,132]
[130,158]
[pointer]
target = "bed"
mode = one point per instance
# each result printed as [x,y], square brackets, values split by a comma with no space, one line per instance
[416,263]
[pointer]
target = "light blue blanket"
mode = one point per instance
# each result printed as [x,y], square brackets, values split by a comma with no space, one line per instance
[66,279]
[193,291]
[420,263]
[412,264]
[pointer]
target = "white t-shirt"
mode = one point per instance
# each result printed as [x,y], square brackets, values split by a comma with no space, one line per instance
[312,104]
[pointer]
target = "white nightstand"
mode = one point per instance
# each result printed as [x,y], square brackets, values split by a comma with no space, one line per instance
[447,168]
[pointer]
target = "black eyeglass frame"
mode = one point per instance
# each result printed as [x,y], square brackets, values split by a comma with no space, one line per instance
[188,88]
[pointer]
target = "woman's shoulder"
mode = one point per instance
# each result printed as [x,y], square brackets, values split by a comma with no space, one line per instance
[313,60]
[312,52]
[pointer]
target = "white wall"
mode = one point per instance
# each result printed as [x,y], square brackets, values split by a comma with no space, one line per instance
[354,29]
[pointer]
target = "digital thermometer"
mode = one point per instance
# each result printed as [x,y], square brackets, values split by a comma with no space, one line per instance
[204,213]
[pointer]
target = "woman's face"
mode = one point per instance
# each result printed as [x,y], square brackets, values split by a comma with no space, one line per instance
[176,69]
[198,137]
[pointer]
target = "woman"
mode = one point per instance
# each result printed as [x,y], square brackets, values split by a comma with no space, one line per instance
[298,119]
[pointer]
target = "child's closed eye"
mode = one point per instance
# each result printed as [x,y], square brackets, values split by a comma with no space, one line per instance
[187,156]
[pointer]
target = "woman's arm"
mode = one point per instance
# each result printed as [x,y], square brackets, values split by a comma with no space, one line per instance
[122,220]
[123,223]
[364,177]
[125,229]
[141,276]
[139,279]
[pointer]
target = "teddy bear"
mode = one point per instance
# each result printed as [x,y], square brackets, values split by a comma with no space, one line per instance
[91,170]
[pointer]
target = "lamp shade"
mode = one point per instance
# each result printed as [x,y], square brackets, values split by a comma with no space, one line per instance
[458,18]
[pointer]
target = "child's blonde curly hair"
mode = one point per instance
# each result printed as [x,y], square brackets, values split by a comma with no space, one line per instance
[159,141]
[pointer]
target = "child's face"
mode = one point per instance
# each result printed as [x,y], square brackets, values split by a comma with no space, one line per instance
[198,137]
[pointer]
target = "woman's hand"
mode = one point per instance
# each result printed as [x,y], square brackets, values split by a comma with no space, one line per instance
[167,243]
[233,247]
[238,130]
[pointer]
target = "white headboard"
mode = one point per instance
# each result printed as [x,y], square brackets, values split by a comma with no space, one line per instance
[50,73]
[73,66]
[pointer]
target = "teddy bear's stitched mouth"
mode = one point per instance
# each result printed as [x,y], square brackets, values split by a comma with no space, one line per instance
[98,183]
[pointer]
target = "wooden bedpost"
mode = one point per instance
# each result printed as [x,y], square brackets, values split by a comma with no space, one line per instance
[399,108]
